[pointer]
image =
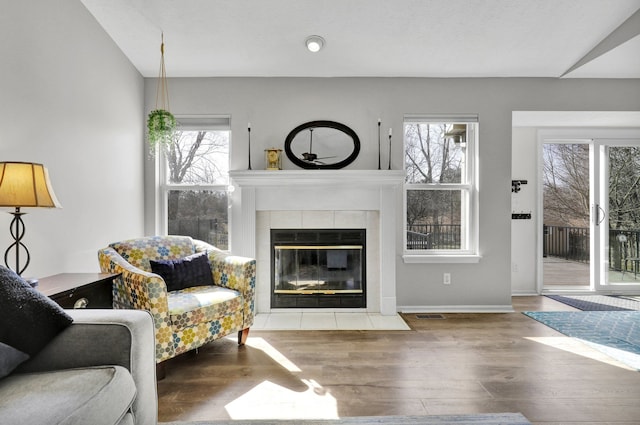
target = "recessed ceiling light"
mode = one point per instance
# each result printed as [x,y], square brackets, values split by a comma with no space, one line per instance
[314,43]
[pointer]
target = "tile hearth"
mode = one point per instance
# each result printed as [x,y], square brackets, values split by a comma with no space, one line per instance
[327,321]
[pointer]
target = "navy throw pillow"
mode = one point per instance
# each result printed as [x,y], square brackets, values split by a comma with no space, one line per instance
[166,270]
[193,270]
[29,318]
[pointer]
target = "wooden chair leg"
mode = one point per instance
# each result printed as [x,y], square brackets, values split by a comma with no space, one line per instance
[242,336]
[161,371]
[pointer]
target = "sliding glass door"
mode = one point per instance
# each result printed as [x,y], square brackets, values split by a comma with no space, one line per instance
[617,215]
[591,215]
[566,196]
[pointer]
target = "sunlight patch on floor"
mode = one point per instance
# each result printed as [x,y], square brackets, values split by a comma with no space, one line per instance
[630,360]
[579,347]
[271,351]
[271,401]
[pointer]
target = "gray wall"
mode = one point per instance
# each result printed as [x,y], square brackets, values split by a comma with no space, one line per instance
[71,100]
[274,106]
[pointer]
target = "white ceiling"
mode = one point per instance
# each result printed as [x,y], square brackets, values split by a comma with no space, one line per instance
[387,38]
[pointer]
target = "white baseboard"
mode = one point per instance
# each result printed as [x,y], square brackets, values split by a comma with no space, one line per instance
[524,294]
[508,308]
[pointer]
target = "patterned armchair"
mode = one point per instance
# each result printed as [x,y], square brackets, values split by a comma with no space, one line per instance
[187,318]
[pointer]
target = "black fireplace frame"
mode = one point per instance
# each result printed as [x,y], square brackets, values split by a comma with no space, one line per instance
[311,237]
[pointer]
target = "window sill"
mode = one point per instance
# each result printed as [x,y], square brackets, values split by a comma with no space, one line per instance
[435,259]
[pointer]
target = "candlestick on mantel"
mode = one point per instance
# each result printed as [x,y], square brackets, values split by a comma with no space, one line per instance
[389,148]
[379,152]
[249,131]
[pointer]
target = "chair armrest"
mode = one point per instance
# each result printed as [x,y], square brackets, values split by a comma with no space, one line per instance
[134,287]
[107,337]
[230,271]
[139,283]
[233,272]
[140,290]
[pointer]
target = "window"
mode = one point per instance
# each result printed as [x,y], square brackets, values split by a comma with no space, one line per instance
[440,199]
[195,181]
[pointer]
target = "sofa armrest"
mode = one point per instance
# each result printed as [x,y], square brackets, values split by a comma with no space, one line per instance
[107,337]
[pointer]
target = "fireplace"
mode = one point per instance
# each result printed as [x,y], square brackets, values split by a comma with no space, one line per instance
[320,199]
[318,268]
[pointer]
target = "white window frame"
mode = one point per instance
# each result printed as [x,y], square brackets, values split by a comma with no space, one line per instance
[192,123]
[469,222]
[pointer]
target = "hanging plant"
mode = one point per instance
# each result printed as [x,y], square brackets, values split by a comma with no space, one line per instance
[161,124]
[161,127]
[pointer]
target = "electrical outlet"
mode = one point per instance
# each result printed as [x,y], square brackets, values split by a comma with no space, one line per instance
[446,279]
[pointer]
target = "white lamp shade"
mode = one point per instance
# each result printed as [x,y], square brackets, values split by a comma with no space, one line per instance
[26,184]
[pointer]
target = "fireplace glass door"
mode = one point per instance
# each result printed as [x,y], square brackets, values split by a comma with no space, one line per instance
[318,269]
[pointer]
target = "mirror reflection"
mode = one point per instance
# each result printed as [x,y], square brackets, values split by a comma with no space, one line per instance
[322,144]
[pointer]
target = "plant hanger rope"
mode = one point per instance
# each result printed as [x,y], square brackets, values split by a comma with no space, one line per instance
[161,124]
[162,90]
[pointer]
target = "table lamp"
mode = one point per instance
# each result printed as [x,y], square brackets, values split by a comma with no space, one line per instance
[23,184]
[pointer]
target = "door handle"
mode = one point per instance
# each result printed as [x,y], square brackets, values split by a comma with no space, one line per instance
[598,211]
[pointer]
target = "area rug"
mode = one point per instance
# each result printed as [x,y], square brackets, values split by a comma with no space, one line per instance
[482,419]
[615,333]
[598,302]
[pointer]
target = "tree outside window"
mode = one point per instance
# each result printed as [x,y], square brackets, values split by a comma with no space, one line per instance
[566,184]
[438,186]
[196,185]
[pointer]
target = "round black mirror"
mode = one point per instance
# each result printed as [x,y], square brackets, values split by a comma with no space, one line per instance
[322,144]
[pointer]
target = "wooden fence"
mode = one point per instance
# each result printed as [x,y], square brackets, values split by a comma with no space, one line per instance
[433,236]
[573,244]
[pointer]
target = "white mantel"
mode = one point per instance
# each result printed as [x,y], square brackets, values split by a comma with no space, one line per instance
[318,193]
[317,177]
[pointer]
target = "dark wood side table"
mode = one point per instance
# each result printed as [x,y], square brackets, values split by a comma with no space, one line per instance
[79,290]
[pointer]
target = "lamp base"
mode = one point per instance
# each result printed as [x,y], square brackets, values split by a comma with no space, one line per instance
[17,232]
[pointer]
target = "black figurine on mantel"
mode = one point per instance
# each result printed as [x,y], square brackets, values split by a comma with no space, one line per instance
[389,147]
[249,130]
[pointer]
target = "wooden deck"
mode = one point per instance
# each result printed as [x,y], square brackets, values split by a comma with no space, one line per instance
[562,273]
[559,272]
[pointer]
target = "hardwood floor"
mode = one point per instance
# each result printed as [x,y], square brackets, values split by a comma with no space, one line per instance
[461,364]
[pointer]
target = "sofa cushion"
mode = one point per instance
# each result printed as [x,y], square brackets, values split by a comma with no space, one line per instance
[96,395]
[29,319]
[127,420]
[193,270]
[10,358]
[200,304]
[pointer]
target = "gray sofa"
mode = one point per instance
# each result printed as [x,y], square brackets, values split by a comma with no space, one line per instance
[99,370]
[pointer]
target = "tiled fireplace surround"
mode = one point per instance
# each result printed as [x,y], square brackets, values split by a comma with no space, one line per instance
[321,199]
